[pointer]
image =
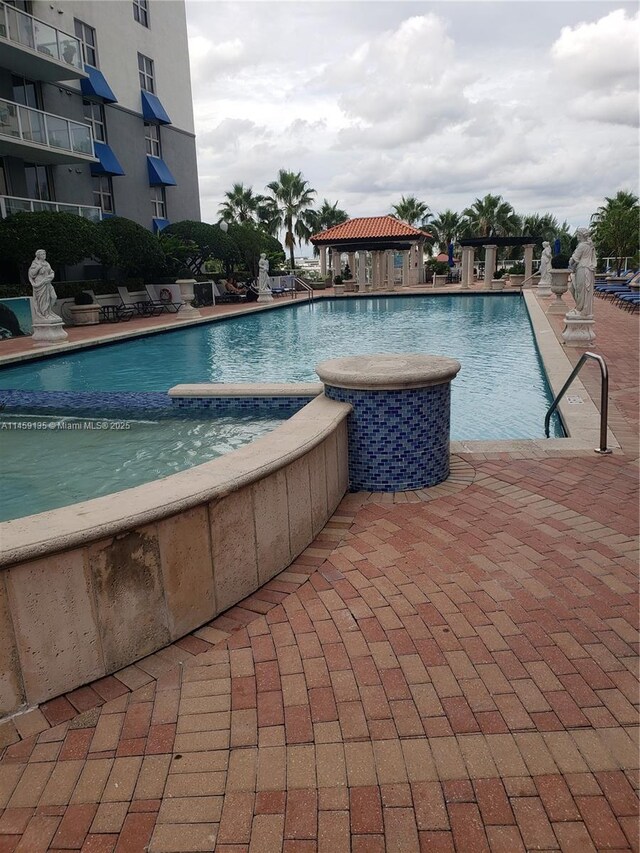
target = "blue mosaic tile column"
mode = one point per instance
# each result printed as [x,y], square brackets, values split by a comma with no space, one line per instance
[399,427]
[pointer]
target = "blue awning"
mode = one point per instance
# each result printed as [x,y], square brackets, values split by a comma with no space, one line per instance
[159,224]
[108,164]
[152,109]
[95,86]
[159,173]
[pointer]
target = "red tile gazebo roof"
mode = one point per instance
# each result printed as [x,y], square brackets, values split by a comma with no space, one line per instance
[369,229]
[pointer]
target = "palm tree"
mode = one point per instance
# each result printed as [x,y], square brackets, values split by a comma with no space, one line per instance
[616,226]
[325,217]
[241,205]
[289,203]
[412,211]
[491,216]
[446,228]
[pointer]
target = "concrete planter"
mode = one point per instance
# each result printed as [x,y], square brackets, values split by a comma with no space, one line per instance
[497,284]
[187,296]
[338,289]
[85,315]
[559,286]
[439,280]
[516,280]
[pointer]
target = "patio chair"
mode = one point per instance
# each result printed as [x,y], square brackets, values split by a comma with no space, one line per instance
[165,302]
[113,313]
[142,307]
[223,297]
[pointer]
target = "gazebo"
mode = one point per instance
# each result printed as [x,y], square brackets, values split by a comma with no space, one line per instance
[371,244]
[490,245]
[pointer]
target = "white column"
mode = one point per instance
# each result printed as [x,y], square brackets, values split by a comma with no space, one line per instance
[351,260]
[528,263]
[420,249]
[379,271]
[489,264]
[323,261]
[362,268]
[335,261]
[391,272]
[406,266]
[467,266]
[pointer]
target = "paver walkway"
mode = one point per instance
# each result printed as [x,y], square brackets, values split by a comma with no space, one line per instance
[457,674]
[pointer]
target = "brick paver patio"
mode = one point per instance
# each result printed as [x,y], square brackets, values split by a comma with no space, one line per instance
[451,674]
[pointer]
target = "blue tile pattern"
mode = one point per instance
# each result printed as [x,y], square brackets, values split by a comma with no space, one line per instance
[120,404]
[398,440]
[275,406]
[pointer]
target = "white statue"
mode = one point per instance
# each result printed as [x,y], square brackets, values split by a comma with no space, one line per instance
[545,265]
[263,275]
[44,296]
[583,265]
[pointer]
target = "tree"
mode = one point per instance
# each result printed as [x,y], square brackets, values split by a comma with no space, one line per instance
[491,216]
[446,228]
[412,211]
[251,241]
[68,239]
[325,217]
[177,252]
[288,208]
[138,251]
[210,243]
[241,205]
[616,227]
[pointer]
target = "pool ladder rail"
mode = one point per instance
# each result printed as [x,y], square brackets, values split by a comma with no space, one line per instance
[298,282]
[604,397]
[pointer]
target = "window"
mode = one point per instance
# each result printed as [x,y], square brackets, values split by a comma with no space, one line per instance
[145,70]
[26,92]
[38,181]
[4,187]
[152,139]
[141,12]
[87,36]
[103,193]
[94,115]
[158,203]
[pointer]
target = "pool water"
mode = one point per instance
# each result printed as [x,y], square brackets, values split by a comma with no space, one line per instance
[50,462]
[500,393]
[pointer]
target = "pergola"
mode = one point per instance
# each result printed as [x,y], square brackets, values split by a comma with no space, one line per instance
[490,244]
[371,243]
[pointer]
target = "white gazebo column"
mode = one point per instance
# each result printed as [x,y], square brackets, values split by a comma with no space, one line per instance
[467,266]
[528,263]
[335,261]
[379,270]
[323,261]
[406,266]
[362,269]
[375,270]
[351,260]
[391,271]
[489,264]
[421,275]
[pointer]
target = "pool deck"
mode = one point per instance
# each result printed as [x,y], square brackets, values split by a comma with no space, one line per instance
[454,670]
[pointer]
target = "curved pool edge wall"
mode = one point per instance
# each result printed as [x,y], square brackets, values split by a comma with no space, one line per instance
[88,589]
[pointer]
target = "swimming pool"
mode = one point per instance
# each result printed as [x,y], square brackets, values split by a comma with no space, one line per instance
[90,457]
[501,391]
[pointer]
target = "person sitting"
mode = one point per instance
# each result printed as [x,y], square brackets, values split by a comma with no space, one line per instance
[232,286]
[252,292]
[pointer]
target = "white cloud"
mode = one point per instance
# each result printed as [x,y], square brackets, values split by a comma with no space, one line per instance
[448,101]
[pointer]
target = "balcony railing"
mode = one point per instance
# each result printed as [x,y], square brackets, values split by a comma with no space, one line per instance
[11,204]
[25,124]
[29,32]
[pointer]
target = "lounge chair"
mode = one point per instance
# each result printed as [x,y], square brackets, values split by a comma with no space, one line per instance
[165,304]
[142,307]
[113,313]
[223,297]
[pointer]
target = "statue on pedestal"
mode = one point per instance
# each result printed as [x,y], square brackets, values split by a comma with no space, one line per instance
[263,280]
[545,265]
[44,296]
[583,266]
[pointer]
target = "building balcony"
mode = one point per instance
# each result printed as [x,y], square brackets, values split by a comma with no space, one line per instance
[11,204]
[37,50]
[43,138]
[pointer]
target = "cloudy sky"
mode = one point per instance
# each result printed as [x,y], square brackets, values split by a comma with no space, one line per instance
[448,101]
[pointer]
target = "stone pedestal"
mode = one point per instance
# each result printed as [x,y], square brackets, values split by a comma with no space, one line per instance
[489,264]
[85,315]
[47,332]
[439,280]
[559,286]
[399,427]
[187,311]
[544,287]
[338,289]
[578,331]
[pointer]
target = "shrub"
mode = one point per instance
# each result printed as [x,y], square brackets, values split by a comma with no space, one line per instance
[338,279]
[83,298]
[560,262]
[250,242]
[210,241]
[68,239]
[517,268]
[138,251]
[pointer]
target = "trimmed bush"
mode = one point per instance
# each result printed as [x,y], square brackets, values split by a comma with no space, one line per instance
[138,251]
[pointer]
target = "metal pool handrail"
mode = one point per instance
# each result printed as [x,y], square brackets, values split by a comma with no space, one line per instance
[303,284]
[604,397]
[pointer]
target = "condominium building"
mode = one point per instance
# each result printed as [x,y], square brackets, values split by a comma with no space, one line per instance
[96,115]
